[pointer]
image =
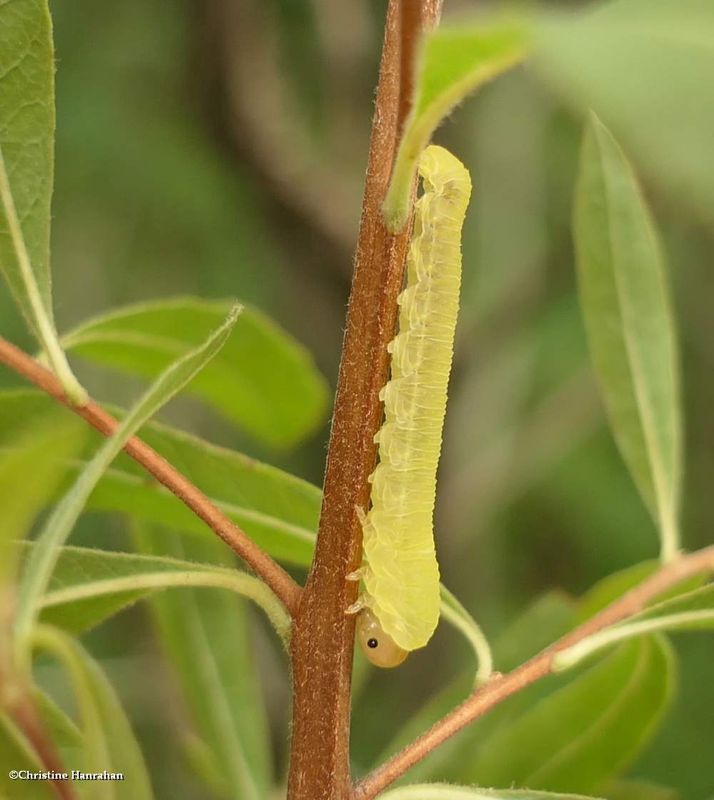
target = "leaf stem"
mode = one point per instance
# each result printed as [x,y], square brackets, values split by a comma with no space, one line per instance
[670,538]
[457,616]
[37,314]
[235,581]
[285,588]
[574,655]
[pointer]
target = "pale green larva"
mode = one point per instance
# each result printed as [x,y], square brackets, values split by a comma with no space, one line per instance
[399,607]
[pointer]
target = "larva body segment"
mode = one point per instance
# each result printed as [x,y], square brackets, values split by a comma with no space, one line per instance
[401,574]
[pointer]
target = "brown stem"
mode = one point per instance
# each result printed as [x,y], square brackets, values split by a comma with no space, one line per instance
[16,701]
[285,588]
[323,635]
[503,686]
[24,715]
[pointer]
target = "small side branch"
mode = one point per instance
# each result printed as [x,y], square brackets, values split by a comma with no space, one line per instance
[502,687]
[285,588]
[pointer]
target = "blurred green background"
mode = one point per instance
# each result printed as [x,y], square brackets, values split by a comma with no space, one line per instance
[217,148]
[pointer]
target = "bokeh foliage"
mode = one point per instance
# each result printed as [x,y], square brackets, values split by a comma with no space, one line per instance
[163,187]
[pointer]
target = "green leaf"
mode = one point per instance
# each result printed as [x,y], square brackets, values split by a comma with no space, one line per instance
[456,615]
[207,638]
[88,586]
[588,731]
[644,66]
[64,733]
[28,478]
[614,586]
[27,127]
[16,754]
[453,63]
[543,622]
[205,631]
[548,618]
[629,323]
[263,380]
[59,525]
[445,791]
[277,510]
[691,611]
[60,727]
[639,790]
[109,740]
[701,599]
[202,762]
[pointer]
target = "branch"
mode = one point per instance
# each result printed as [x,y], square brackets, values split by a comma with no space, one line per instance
[502,687]
[323,636]
[285,588]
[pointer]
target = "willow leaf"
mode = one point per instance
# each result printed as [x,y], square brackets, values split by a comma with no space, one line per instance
[628,317]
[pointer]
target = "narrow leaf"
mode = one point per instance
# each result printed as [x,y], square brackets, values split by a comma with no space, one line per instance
[617,584]
[629,323]
[207,638]
[613,586]
[29,478]
[27,126]
[16,754]
[61,728]
[88,585]
[277,510]
[109,740]
[59,525]
[27,129]
[700,599]
[263,380]
[587,732]
[453,63]
[202,762]
[691,611]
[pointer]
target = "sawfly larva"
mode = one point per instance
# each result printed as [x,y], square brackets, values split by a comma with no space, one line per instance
[399,606]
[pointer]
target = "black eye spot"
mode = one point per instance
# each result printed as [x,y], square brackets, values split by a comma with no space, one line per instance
[373,643]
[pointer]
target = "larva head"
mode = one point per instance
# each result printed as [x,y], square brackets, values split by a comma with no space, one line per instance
[378,647]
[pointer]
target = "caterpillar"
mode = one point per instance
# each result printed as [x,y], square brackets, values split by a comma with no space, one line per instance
[399,606]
